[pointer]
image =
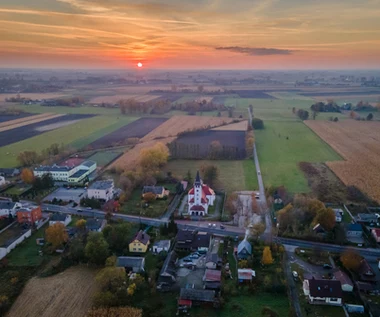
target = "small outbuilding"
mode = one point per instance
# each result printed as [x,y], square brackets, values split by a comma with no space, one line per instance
[244,250]
[131,263]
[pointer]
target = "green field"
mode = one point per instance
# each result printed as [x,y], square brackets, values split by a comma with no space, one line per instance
[103,158]
[279,156]
[233,175]
[76,135]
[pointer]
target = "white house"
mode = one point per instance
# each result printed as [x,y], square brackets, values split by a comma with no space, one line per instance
[9,208]
[101,190]
[323,292]
[338,215]
[60,218]
[2,181]
[200,197]
[162,245]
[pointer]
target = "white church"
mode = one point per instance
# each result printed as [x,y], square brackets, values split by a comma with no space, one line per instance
[200,197]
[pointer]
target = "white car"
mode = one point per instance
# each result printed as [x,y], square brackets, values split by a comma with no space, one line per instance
[209,225]
[214,225]
[295,274]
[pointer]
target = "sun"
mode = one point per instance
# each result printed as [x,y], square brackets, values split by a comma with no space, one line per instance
[139,65]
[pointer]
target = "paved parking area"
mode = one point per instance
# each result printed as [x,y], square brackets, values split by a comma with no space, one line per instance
[67,194]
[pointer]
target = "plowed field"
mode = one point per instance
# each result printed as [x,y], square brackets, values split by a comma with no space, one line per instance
[65,295]
[359,144]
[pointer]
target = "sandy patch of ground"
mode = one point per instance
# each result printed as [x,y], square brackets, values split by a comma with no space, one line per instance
[57,125]
[239,126]
[66,294]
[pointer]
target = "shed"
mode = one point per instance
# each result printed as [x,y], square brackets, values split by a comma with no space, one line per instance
[131,263]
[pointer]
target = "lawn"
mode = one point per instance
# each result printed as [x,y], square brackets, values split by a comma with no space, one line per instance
[233,175]
[26,253]
[103,158]
[281,146]
[76,135]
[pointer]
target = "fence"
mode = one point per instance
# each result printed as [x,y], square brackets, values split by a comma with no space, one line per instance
[5,250]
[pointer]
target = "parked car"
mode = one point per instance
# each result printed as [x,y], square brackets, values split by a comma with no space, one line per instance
[222,227]
[214,225]
[79,210]
[209,225]
[295,274]
[327,266]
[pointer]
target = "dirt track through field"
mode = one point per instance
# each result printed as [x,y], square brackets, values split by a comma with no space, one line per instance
[9,125]
[66,294]
[359,143]
[239,126]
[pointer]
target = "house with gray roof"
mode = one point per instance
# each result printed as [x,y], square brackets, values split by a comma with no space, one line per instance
[168,272]
[9,208]
[244,250]
[64,219]
[95,225]
[101,190]
[159,191]
[131,263]
[160,246]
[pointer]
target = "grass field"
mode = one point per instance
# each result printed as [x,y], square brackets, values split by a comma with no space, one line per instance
[76,136]
[279,156]
[103,158]
[26,254]
[233,175]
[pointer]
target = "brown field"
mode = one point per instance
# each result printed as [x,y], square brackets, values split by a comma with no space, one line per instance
[359,144]
[239,126]
[8,125]
[166,133]
[116,98]
[65,294]
[33,96]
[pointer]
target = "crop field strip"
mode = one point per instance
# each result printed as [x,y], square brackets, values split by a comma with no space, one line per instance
[33,129]
[76,136]
[359,144]
[136,129]
[117,98]
[24,121]
[8,117]
[167,133]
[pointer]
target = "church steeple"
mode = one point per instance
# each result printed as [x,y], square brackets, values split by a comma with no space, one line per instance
[197,182]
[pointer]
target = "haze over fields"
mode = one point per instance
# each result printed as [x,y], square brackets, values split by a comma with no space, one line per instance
[221,34]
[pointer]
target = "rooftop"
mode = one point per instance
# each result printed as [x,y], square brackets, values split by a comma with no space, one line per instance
[246,274]
[88,163]
[78,173]
[94,224]
[4,204]
[376,231]
[343,278]
[153,189]
[71,162]
[58,217]
[245,245]
[107,184]
[354,227]
[142,237]
[162,244]
[53,168]
[325,288]
[129,261]
[197,294]
[212,275]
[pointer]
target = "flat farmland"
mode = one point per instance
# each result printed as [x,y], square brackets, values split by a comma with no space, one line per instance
[75,136]
[11,124]
[167,133]
[359,144]
[66,294]
[234,139]
[179,124]
[68,110]
[136,129]
[233,175]
[257,94]
[8,117]
[239,126]
[117,98]
[281,146]
[33,129]
[33,96]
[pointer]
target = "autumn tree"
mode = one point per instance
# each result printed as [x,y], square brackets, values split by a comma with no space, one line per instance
[151,159]
[210,174]
[56,235]
[81,224]
[326,218]
[96,249]
[28,158]
[117,236]
[149,197]
[27,176]
[243,264]
[231,203]
[111,278]
[351,260]
[267,256]
[215,150]
[256,230]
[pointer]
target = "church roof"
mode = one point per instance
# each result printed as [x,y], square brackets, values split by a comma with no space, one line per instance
[207,190]
[197,208]
[197,179]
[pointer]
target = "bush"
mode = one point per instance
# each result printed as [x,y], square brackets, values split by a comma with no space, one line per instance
[257,124]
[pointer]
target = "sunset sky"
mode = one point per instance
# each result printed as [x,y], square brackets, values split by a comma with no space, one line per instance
[201,34]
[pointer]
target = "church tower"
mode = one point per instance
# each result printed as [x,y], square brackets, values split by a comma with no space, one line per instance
[197,189]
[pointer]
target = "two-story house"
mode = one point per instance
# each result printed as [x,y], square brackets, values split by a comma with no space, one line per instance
[323,292]
[102,190]
[140,242]
[29,215]
[8,208]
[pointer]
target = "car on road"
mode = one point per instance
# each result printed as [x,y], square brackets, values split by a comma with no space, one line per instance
[295,275]
[327,266]
[89,208]
[214,225]
[79,210]
[258,172]
[209,225]
[222,227]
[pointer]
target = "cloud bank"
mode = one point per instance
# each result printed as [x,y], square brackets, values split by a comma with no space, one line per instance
[255,51]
